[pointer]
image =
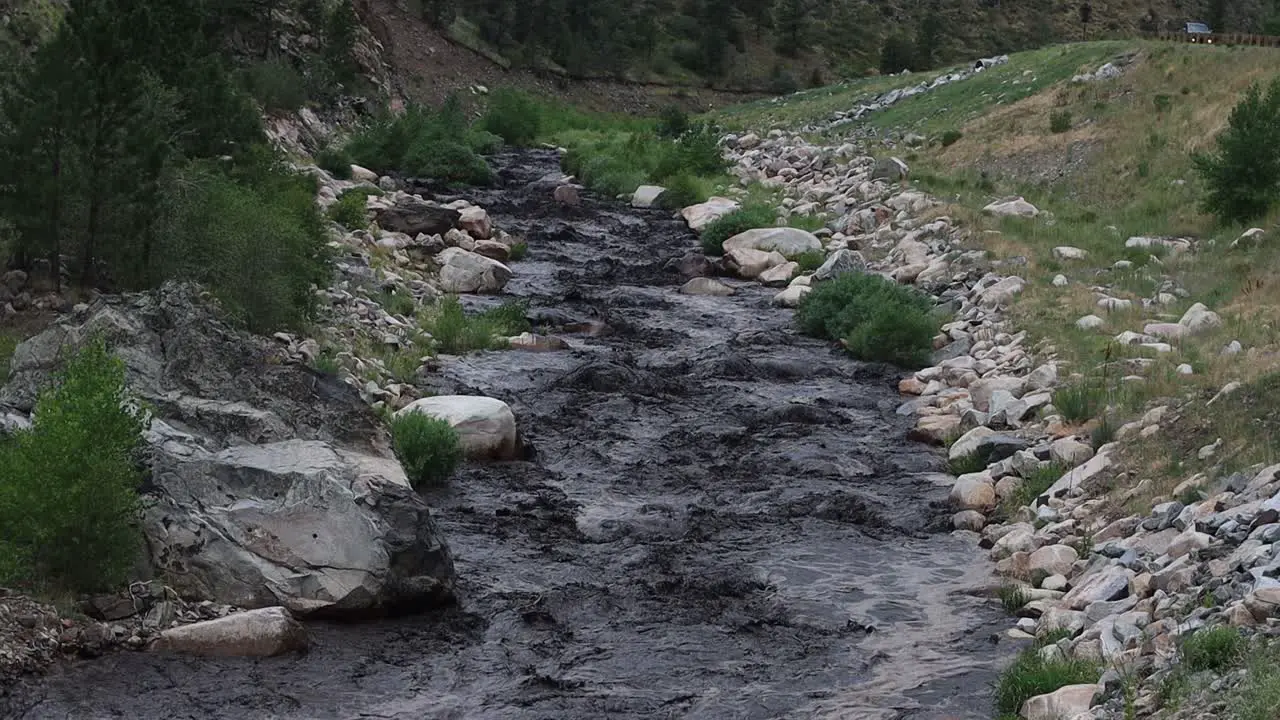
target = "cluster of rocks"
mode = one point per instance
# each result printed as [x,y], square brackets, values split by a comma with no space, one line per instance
[1118,590]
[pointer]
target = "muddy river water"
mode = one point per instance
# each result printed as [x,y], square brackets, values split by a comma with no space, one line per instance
[720,519]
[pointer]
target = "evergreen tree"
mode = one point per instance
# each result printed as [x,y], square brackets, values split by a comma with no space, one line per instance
[790,18]
[340,40]
[927,40]
[896,55]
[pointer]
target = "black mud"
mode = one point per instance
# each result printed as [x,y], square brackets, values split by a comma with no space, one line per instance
[721,520]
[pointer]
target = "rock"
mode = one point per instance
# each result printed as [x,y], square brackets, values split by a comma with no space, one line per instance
[748,141]
[1233,348]
[994,448]
[531,342]
[1249,237]
[567,195]
[968,443]
[749,264]
[413,216]
[1043,377]
[280,487]
[703,214]
[780,275]
[462,271]
[646,196]
[706,286]
[1063,704]
[1070,253]
[982,391]
[1169,331]
[1055,583]
[1264,603]
[363,175]
[792,296]
[266,632]
[891,169]
[14,280]
[1090,322]
[1012,207]
[971,520]
[1110,583]
[493,250]
[475,221]
[486,426]
[841,262]
[933,429]
[1002,293]
[1060,281]
[788,241]
[1070,452]
[1199,318]
[973,492]
[1051,560]
[1227,391]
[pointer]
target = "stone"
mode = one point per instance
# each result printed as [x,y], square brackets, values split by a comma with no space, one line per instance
[647,196]
[486,426]
[703,214]
[1264,602]
[995,448]
[973,492]
[706,286]
[892,169]
[280,488]
[780,275]
[475,221]
[1002,293]
[567,195]
[1012,207]
[1110,583]
[841,262]
[749,264]
[968,443]
[531,342]
[462,271]
[1057,583]
[1051,560]
[971,520]
[1062,704]
[1070,452]
[265,632]
[493,250]
[1043,377]
[413,216]
[1199,318]
[791,298]
[1060,281]
[363,175]
[1090,322]
[1070,253]
[788,241]
[1169,331]
[1249,237]
[982,391]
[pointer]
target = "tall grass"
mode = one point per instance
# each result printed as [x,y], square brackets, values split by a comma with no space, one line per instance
[456,333]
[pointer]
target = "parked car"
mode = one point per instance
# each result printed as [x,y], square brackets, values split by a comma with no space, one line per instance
[1198,32]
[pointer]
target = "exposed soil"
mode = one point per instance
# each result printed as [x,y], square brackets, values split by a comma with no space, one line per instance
[721,520]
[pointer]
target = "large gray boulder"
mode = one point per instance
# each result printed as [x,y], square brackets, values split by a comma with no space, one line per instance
[785,240]
[412,215]
[265,632]
[462,271]
[270,484]
[486,426]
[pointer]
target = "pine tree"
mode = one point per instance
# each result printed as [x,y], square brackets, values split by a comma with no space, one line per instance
[340,40]
[790,18]
[927,40]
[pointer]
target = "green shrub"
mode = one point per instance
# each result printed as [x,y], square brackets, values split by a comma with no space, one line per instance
[951,137]
[8,343]
[682,191]
[1031,675]
[1034,485]
[327,362]
[518,251]
[69,485]
[1013,597]
[1162,102]
[350,211]
[673,122]
[1080,402]
[1059,121]
[447,161]
[876,319]
[456,333]
[428,448]
[966,464]
[398,302]
[483,142]
[810,260]
[1212,649]
[1103,433]
[513,116]
[277,85]
[438,145]
[1259,695]
[335,161]
[747,217]
[1243,173]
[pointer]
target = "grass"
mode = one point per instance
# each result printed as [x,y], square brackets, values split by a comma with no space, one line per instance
[8,344]
[1212,649]
[350,209]
[398,302]
[518,251]
[1032,487]
[1031,675]
[1259,695]
[1012,597]
[875,319]
[456,333]
[966,464]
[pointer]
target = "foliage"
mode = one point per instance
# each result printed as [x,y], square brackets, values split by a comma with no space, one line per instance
[1032,675]
[950,137]
[966,464]
[1212,649]
[810,260]
[1034,485]
[1012,597]
[617,162]
[336,161]
[277,85]
[350,209]
[447,161]
[1259,695]
[1081,401]
[876,319]
[747,217]
[673,122]
[1242,175]
[1059,121]
[456,333]
[518,251]
[398,302]
[428,448]
[340,31]
[68,486]
[513,116]
[430,144]
[682,191]
[896,55]
[1103,432]
[8,343]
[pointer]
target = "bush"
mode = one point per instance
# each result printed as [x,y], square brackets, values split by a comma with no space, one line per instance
[682,191]
[518,251]
[1080,402]
[350,211]
[277,85]
[446,161]
[428,448]
[513,116]
[810,260]
[1259,695]
[951,137]
[1033,486]
[456,333]
[748,217]
[1059,121]
[68,486]
[1216,649]
[483,142]
[1162,103]
[1031,675]
[966,464]
[1243,173]
[673,122]
[1013,597]
[876,319]
[398,302]
[335,161]
[437,145]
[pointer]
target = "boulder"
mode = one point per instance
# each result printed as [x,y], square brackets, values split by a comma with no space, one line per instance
[841,262]
[1003,292]
[973,492]
[790,242]
[486,426]
[706,286]
[748,264]
[412,216]
[791,297]
[567,195]
[462,271]
[532,342]
[703,214]
[1110,583]
[968,443]
[1051,560]
[1199,318]
[1264,603]
[1070,452]
[1066,252]
[265,632]
[1012,207]
[647,196]
[1063,704]
[363,175]
[269,484]
[1090,322]
[475,221]
[891,169]
[934,429]
[493,250]
[779,275]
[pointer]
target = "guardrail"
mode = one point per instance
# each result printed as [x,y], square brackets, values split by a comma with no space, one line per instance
[1218,38]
